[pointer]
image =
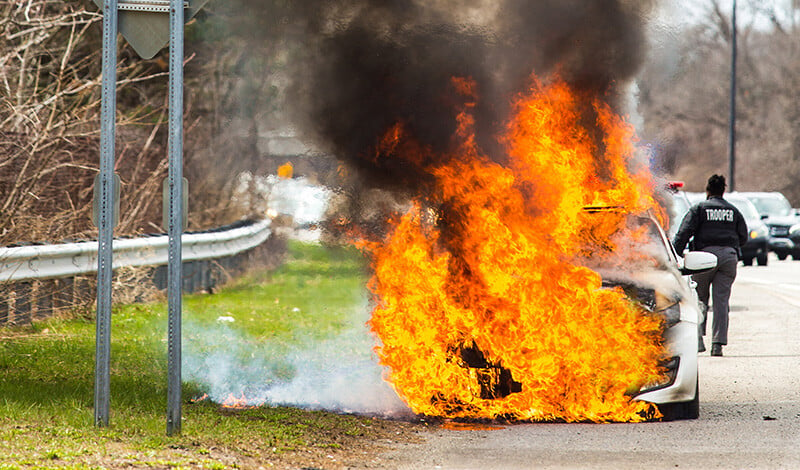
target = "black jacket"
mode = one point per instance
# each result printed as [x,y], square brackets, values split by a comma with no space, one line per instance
[713,222]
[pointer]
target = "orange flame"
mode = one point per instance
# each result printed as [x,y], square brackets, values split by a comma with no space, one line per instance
[240,402]
[482,307]
[286,171]
[202,397]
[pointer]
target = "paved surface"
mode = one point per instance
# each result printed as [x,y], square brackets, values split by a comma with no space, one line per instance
[750,405]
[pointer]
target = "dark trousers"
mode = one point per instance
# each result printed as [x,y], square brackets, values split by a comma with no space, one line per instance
[719,280]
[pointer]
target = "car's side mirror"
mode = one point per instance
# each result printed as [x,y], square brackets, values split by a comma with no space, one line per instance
[698,261]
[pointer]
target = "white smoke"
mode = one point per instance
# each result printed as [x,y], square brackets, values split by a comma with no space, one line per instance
[272,195]
[340,373]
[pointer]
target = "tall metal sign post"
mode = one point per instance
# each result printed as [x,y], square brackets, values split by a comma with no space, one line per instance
[147,25]
[174,271]
[105,217]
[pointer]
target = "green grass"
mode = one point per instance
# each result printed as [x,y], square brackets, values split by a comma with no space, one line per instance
[47,376]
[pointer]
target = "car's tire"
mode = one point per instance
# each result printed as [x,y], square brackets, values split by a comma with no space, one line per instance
[782,256]
[762,259]
[747,261]
[682,410]
[693,406]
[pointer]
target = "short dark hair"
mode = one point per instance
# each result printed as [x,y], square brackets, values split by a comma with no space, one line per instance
[716,185]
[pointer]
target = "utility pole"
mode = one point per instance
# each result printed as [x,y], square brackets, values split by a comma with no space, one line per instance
[732,130]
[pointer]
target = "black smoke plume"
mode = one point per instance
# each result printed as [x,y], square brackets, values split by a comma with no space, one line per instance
[372,64]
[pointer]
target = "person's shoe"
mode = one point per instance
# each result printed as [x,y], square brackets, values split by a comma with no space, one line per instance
[716,349]
[701,346]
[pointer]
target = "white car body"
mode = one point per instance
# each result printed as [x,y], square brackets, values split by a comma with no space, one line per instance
[676,396]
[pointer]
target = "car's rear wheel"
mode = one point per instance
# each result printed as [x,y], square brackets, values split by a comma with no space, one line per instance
[762,259]
[747,261]
[682,410]
[782,256]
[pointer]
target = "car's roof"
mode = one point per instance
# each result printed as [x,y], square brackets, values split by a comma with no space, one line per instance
[745,206]
[736,196]
[773,194]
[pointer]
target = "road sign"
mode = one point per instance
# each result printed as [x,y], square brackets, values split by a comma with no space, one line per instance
[145,23]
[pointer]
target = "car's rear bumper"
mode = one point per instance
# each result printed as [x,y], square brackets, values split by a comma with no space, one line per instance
[779,244]
[755,247]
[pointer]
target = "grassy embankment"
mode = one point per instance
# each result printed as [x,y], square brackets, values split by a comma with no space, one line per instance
[47,381]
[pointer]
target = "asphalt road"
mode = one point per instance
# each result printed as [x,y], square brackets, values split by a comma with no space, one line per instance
[749,416]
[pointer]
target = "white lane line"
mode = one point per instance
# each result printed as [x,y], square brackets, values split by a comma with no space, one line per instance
[771,289]
[766,282]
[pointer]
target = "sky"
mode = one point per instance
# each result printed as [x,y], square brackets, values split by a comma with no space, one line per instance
[682,12]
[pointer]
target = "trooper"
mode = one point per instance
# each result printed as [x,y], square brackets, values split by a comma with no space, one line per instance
[715,226]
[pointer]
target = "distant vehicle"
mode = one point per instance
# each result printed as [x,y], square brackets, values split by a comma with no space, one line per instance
[794,236]
[757,246]
[694,197]
[665,289]
[779,216]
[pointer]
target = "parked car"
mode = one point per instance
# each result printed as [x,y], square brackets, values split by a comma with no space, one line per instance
[779,216]
[794,236]
[665,289]
[757,246]
[695,197]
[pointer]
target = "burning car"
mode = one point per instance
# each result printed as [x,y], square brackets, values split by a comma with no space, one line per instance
[656,280]
[480,314]
[662,288]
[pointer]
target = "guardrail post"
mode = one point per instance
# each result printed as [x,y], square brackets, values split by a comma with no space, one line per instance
[207,265]
[22,303]
[85,286]
[63,295]
[160,277]
[188,276]
[44,299]
[197,281]
[4,307]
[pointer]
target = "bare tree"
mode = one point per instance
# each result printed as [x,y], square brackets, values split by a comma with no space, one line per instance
[49,106]
[686,110]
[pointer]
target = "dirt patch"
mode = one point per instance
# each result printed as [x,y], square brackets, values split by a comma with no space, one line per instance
[351,452]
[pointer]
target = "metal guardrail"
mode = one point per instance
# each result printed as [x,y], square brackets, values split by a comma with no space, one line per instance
[71,259]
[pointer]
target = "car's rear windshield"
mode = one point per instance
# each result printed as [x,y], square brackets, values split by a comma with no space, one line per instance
[746,207]
[771,205]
